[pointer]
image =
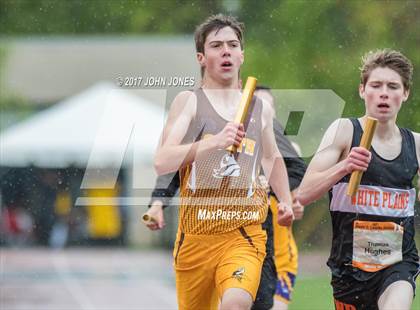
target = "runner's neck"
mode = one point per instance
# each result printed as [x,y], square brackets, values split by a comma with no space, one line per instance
[224,101]
[209,82]
[384,130]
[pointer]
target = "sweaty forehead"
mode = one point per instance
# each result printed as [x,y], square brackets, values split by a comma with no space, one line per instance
[385,74]
[222,34]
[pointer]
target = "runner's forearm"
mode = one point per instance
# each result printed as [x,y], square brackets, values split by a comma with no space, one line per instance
[165,189]
[171,158]
[278,179]
[316,184]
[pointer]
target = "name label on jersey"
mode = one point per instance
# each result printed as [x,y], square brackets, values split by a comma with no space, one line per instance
[374,200]
[376,245]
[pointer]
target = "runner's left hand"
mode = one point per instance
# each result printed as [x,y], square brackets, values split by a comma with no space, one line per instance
[285,215]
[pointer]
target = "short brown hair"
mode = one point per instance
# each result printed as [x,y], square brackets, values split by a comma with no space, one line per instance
[216,22]
[387,58]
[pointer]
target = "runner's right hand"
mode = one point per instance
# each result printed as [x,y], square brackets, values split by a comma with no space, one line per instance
[358,159]
[232,134]
[156,211]
[298,209]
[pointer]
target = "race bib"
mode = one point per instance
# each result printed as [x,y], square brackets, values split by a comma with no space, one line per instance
[376,245]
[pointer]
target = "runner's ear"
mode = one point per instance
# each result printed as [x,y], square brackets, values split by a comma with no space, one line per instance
[362,91]
[201,59]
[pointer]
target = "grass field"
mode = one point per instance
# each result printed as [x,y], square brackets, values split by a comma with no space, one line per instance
[315,293]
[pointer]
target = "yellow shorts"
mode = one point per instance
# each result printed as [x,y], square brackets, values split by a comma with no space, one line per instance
[285,250]
[207,265]
[285,257]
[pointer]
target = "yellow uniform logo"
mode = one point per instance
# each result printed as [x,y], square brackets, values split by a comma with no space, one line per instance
[238,274]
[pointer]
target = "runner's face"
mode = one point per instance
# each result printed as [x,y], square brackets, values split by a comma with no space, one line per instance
[222,56]
[383,94]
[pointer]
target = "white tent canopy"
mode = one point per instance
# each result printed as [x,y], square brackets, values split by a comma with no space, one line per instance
[100,126]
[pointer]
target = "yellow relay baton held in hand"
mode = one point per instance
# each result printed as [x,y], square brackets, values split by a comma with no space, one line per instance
[366,141]
[247,94]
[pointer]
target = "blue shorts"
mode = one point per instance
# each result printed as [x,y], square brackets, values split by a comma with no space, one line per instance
[285,284]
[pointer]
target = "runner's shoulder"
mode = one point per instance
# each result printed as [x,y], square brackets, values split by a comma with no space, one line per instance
[267,112]
[340,133]
[417,142]
[416,138]
[185,102]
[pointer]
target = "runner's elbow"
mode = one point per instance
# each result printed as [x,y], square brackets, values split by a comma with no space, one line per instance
[163,165]
[303,196]
[159,165]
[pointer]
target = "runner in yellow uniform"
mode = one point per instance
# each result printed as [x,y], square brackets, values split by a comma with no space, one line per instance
[167,186]
[220,244]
